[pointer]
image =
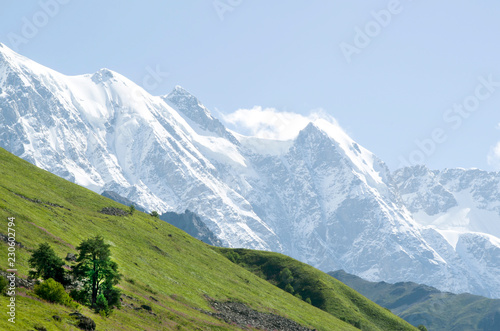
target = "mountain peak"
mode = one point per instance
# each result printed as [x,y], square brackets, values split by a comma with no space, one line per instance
[311,127]
[312,131]
[415,171]
[5,52]
[179,90]
[192,109]
[188,104]
[103,75]
[5,48]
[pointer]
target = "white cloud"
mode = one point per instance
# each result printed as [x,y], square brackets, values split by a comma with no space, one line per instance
[494,156]
[270,123]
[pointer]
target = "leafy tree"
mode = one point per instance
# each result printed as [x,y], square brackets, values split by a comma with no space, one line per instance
[110,292]
[53,291]
[46,264]
[154,213]
[96,270]
[286,276]
[131,209]
[308,300]
[289,288]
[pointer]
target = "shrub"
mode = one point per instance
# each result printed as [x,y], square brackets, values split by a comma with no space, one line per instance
[101,305]
[286,276]
[154,213]
[112,295]
[289,288]
[421,327]
[80,296]
[3,284]
[53,291]
[233,257]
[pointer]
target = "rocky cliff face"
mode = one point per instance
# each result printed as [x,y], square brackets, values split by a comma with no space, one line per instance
[452,199]
[193,225]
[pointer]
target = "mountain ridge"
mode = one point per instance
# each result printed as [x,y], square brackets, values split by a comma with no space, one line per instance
[321,197]
[421,304]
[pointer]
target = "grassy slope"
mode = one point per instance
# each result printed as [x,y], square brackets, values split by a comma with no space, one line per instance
[421,304]
[156,260]
[325,292]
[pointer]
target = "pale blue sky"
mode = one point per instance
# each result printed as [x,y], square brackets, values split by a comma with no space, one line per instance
[287,56]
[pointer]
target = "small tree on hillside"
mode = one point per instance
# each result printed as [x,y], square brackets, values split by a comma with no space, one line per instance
[286,278]
[46,264]
[96,270]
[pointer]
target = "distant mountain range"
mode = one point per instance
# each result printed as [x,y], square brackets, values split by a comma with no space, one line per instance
[320,197]
[425,305]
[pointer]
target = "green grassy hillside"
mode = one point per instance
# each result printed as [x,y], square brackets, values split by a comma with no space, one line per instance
[323,291]
[421,304]
[162,266]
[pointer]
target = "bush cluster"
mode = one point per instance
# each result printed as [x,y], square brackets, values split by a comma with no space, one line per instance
[53,291]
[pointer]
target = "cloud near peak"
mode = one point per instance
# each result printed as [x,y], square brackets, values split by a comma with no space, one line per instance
[494,156]
[269,123]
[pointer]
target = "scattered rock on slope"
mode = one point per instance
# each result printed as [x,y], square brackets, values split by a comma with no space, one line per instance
[243,316]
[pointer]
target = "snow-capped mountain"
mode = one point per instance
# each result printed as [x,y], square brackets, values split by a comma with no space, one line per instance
[463,206]
[319,197]
[452,200]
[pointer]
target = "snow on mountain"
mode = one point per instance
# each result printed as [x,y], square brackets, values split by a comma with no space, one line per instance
[462,206]
[104,132]
[319,197]
[453,200]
